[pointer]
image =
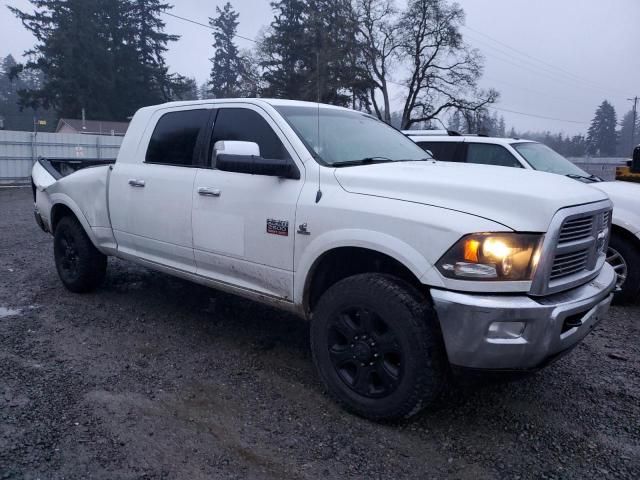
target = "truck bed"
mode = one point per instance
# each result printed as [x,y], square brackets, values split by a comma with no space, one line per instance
[61,167]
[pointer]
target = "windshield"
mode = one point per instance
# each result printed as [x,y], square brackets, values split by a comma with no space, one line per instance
[543,158]
[348,137]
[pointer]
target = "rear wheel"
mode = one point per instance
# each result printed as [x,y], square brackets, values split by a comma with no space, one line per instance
[377,347]
[81,267]
[624,257]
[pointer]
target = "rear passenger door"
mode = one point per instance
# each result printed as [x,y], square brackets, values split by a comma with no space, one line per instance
[490,154]
[151,193]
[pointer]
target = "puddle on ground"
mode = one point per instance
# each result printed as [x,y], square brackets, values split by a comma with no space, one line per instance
[8,312]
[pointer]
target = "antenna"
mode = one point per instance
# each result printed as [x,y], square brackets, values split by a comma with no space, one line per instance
[319,192]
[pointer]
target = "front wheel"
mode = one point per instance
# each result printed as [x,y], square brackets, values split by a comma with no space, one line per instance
[377,347]
[624,257]
[81,267]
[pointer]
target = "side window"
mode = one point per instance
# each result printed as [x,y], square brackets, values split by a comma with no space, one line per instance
[245,125]
[174,139]
[487,154]
[443,151]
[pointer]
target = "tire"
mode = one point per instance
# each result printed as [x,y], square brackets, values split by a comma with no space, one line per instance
[377,347]
[624,256]
[81,267]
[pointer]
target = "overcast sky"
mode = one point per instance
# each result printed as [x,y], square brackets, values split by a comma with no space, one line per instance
[549,58]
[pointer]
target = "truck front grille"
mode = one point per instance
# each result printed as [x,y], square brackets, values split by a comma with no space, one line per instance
[575,248]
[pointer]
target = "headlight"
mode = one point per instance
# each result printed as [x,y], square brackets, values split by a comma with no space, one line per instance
[492,256]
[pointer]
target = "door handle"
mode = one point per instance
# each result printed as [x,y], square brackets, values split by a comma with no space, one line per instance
[209,192]
[136,183]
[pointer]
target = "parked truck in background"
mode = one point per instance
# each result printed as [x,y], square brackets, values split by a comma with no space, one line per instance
[403,266]
[624,246]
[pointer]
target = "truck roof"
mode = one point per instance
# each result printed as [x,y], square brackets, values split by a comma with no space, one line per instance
[422,135]
[275,102]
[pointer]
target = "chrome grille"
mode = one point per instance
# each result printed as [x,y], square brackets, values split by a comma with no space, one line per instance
[576,229]
[569,263]
[574,249]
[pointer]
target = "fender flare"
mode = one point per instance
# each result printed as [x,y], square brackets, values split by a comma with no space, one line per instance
[63,199]
[380,242]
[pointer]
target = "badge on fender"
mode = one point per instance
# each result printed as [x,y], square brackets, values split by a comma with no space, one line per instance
[278,227]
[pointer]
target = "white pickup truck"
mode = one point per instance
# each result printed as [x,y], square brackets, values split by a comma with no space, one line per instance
[404,266]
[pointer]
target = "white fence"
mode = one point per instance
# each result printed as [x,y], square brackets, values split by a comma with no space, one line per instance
[19,150]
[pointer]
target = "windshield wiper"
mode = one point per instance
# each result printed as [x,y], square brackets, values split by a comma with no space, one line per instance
[575,176]
[425,159]
[362,161]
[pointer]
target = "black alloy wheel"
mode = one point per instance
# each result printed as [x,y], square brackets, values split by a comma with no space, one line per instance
[377,347]
[67,252]
[80,265]
[365,352]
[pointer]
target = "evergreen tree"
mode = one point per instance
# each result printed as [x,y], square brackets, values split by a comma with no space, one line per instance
[13,116]
[628,137]
[184,88]
[230,70]
[311,51]
[577,146]
[602,136]
[71,53]
[151,42]
[285,53]
[203,91]
[103,56]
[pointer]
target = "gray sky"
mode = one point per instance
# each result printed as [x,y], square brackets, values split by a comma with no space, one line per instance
[551,58]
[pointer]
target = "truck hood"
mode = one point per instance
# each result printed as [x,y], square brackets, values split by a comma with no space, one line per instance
[522,200]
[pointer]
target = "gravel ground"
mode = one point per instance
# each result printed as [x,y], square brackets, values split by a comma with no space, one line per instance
[153,377]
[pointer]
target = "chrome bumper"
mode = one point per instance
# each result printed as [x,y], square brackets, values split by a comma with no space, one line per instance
[506,332]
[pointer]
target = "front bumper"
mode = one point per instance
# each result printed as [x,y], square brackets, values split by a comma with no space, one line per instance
[482,331]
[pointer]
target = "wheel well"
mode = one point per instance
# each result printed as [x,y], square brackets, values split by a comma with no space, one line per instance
[344,262]
[58,212]
[626,234]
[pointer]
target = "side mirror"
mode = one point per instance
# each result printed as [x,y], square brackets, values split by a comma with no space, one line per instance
[244,157]
[233,147]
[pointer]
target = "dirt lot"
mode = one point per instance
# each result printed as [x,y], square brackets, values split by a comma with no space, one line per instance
[152,377]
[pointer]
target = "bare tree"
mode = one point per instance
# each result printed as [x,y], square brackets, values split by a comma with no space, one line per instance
[378,32]
[444,71]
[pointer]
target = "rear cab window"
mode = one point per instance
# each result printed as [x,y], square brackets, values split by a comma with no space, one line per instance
[175,138]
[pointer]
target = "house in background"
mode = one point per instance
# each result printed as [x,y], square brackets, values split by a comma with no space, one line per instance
[92,127]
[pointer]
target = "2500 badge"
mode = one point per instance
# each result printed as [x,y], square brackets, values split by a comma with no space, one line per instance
[278,227]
